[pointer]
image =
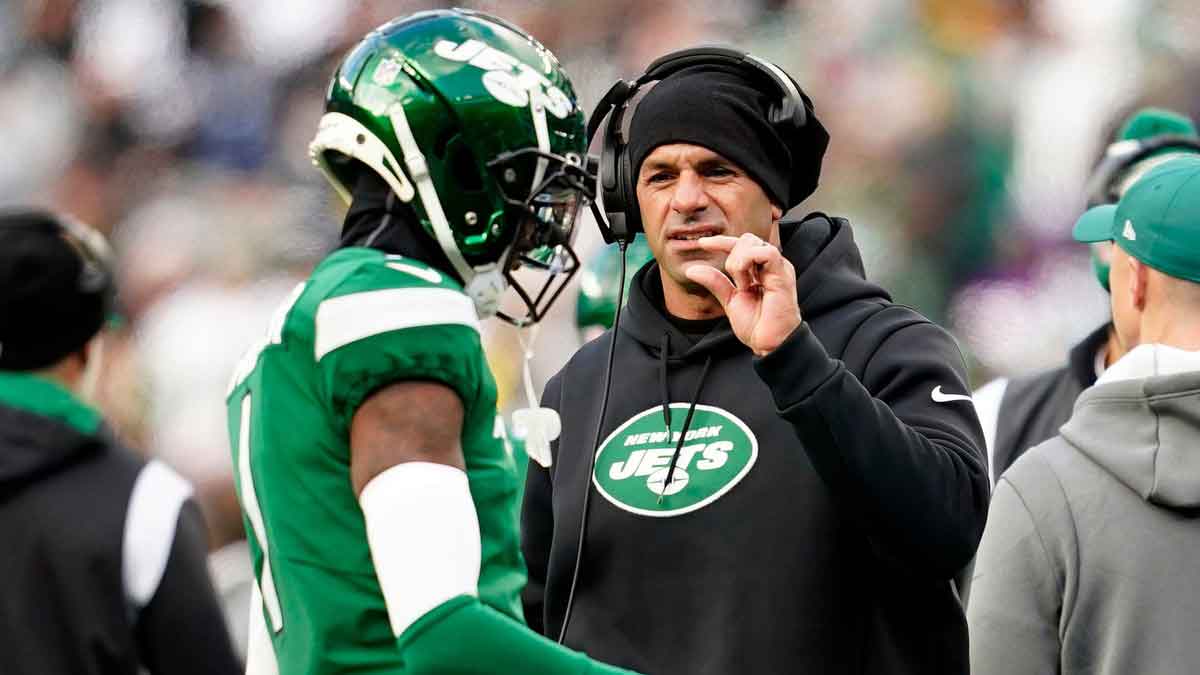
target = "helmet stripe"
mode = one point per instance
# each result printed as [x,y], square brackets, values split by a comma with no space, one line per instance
[418,170]
[538,109]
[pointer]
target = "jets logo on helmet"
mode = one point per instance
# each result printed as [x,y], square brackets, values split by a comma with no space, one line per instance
[508,79]
[449,109]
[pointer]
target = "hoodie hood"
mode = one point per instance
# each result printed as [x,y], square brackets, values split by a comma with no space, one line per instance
[829,275]
[1145,432]
[43,427]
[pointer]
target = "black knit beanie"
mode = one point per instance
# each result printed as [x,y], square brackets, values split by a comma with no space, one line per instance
[49,305]
[722,109]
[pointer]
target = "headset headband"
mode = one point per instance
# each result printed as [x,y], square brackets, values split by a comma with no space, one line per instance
[96,274]
[618,220]
[791,106]
[1119,157]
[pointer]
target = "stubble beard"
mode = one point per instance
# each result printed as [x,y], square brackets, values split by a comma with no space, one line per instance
[677,275]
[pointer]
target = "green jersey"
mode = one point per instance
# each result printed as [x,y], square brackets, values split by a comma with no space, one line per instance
[362,320]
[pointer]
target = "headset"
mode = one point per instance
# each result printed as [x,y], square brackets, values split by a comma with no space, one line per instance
[96,271]
[620,220]
[91,286]
[1108,181]
[1124,162]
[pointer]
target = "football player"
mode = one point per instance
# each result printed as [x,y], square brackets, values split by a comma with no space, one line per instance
[599,283]
[379,491]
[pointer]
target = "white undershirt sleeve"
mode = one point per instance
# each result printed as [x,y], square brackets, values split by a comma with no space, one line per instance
[424,537]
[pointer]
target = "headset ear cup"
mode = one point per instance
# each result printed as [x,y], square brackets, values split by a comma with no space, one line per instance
[628,184]
[614,195]
[612,221]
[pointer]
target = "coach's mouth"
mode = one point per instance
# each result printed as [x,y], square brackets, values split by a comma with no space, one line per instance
[693,233]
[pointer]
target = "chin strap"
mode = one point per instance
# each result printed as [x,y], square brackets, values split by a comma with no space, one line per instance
[534,425]
[486,289]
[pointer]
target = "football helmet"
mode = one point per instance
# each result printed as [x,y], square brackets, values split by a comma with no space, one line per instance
[473,123]
[599,282]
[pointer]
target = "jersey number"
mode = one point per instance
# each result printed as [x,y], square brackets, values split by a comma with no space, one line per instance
[250,503]
[274,336]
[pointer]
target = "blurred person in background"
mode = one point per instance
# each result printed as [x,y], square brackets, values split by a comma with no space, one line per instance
[379,490]
[791,471]
[1021,412]
[1088,562]
[104,565]
[600,284]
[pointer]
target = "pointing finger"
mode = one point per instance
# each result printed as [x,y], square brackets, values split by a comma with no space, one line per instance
[748,259]
[718,242]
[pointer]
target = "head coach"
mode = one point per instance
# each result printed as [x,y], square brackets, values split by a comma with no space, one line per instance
[766,466]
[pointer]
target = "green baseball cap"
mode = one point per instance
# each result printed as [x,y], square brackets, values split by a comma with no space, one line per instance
[1157,221]
[1150,122]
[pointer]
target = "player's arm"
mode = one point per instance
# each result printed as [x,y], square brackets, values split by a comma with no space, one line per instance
[407,469]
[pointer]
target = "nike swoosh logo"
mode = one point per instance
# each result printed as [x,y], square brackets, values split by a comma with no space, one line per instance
[939,397]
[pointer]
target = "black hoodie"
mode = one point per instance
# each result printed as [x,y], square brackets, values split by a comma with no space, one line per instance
[829,491]
[103,570]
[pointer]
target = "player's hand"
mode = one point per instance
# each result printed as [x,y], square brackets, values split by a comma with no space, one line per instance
[759,293]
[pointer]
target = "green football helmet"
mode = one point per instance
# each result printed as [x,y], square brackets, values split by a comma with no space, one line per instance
[472,123]
[600,280]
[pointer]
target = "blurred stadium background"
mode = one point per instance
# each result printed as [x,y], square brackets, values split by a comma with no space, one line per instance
[962,134]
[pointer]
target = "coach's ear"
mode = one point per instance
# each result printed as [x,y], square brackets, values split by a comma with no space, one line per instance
[1139,277]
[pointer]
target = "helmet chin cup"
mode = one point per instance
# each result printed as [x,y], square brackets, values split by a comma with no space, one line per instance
[486,288]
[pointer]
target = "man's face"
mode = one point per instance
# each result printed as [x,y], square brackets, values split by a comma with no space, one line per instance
[686,192]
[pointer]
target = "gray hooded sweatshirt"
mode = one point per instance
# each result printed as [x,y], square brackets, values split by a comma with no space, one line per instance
[1090,561]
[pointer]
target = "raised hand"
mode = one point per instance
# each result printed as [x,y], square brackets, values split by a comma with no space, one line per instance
[759,293]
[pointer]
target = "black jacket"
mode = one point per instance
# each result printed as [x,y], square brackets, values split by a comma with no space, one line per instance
[848,501]
[103,569]
[1033,408]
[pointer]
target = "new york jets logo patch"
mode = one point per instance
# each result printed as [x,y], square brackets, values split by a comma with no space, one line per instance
[633,462]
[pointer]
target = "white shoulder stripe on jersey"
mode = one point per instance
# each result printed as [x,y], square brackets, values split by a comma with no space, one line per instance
[349,318]
[432,276]
[154,505]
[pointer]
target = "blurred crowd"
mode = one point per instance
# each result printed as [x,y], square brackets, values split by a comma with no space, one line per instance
[962,135]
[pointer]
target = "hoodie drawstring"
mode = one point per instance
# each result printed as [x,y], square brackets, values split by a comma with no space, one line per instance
[687,421]
[662,379]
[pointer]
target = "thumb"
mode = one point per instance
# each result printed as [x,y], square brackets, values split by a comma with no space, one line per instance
[712,279]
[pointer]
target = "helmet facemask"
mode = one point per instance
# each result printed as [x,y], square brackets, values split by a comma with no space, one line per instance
[545,219]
